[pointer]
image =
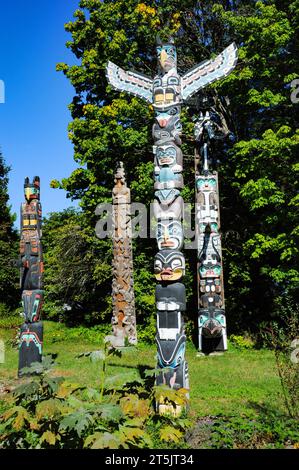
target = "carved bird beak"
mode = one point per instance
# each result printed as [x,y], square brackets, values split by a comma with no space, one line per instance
[163,58]
[27,193]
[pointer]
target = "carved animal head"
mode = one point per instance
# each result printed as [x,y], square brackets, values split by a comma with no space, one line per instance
[32,190]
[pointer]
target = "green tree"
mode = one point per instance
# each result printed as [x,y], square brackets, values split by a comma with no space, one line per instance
[75,277]
[9,293]
[258,174]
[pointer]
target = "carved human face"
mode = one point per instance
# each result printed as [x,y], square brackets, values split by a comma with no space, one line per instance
[210,270]
[169,235]
[206,184]
[169,156]
[169,265]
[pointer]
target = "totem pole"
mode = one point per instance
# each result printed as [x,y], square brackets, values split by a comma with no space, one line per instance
[209,128]
[31,263]
[123,319]
[166,93]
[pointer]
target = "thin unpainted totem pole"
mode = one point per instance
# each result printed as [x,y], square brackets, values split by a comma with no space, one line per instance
[31,261]
[167,92]
[124,318]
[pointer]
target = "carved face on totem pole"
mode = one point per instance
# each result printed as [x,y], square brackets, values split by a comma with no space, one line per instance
[169,265]
[32,190]
[169,232]
[167,56]
[210,270]
[212,322]
[169,235]
[167,126]
[168,156]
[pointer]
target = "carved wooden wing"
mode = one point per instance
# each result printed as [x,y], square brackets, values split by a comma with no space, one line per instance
[208,71]
[131,82]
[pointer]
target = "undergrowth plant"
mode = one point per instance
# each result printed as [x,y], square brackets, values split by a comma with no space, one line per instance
[284,339]
[51,412]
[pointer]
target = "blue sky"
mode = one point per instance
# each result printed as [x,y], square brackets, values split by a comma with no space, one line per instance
[34,117]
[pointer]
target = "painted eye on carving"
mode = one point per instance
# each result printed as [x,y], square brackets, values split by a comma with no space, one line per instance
[176,263]
[170,152]
[170,50]
[173,111]
[217,270]
[157,266]
[159,231]
[174,229]
[173,81]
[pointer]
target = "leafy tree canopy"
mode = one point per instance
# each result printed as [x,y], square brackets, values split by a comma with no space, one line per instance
[9,295]
[258,174]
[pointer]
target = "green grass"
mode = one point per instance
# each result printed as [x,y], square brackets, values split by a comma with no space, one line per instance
[232,384]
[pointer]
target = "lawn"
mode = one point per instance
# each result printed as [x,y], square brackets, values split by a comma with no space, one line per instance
[230,384]
[235,399]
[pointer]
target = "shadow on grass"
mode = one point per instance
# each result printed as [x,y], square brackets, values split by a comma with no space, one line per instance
[267,411]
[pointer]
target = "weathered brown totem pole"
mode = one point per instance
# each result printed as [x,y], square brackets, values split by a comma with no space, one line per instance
[31,264]
[123,319]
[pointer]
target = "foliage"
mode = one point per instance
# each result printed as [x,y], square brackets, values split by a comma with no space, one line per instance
[258,174]
[92,335]
[241,342]
[10,321]
[76,275]
[49,412]
[9,295]
[267,431]
[284,338]
[227,385]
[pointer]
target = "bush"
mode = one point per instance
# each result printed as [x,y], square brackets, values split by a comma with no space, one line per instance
[59,332]
[4,310]
[241,342]
[283,337]
[10,322]
[266,429]
[49,412]
[146,333]
[270,431]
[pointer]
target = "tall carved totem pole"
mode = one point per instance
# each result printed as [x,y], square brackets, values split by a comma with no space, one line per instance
[124,318]
[167,93]
[31,262]
[209,129]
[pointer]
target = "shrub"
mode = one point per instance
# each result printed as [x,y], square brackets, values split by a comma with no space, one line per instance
[241,342]
[49,412]
[283,337]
